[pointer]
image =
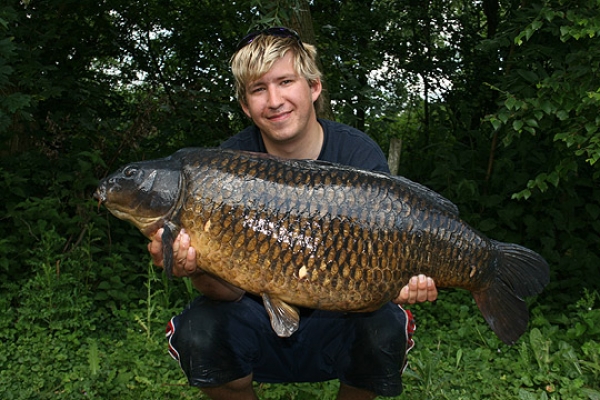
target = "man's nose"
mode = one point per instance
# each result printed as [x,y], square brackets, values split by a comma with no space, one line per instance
[275,99]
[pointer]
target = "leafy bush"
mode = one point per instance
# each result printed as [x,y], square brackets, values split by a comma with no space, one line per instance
[457,356]
[77,328]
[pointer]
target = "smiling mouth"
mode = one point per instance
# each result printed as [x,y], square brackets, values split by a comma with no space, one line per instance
[279,116]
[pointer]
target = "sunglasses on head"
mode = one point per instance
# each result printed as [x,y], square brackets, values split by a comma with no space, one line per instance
[278,31]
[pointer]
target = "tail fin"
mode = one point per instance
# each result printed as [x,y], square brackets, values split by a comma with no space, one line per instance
[521,272]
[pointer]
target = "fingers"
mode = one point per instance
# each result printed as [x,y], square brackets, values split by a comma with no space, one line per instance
[431,292]
[419,289]
[155,248]
[188,262]
[184,256]
[403,297]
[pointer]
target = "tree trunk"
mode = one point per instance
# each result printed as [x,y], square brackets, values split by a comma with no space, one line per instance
[394,156]
[302,23]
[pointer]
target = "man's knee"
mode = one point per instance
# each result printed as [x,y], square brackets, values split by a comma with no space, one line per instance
[197,328]
[204,339]
[385,328]
[380,338]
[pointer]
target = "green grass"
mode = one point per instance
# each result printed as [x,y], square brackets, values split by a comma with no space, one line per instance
[76,328]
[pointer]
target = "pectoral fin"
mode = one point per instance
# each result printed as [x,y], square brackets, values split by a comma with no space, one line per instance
[284,317]
[167,249]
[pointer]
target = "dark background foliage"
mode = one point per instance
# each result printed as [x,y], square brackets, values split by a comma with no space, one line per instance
[495,104]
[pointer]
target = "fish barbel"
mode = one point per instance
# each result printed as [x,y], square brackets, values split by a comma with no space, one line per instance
[321,235]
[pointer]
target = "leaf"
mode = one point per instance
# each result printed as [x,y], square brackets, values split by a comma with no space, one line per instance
[564,32]
[553,178]
[93,357]
[537,24]
[522,195]
[529,76]
[503,116]
[562,115]
[517,125]
[496,123]
[546,106]
[459,354]
[510,102]
[591,393]
[593,210]
[591,127]
[532,122]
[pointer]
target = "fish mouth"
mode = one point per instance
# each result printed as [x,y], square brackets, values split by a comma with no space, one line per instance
[100,195]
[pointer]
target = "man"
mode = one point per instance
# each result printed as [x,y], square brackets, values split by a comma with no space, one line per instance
[223,340]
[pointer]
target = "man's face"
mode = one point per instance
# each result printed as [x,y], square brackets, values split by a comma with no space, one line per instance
[280,102]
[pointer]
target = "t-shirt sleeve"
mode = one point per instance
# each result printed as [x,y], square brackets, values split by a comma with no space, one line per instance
[369,156]
[247,140]
[349,146]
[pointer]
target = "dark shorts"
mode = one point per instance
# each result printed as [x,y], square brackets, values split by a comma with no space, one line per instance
[218,342]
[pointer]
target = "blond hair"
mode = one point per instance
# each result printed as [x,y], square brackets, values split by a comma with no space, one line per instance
[256,58]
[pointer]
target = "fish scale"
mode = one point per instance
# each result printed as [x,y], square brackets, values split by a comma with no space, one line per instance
[321,235]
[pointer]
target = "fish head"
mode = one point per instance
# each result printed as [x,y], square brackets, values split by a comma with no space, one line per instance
[144,193]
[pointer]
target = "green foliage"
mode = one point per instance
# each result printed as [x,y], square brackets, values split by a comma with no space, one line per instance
[72,324]
[464,362]
[274,13]
[12,102]
[552,89]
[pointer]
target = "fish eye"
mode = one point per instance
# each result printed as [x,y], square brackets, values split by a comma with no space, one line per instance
[130,171]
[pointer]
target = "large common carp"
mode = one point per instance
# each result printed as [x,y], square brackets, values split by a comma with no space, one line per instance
[321,235]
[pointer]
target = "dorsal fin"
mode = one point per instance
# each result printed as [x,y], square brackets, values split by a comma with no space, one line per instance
[436,199]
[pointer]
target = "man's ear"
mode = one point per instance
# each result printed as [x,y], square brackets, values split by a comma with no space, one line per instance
[245,108]
[316,87]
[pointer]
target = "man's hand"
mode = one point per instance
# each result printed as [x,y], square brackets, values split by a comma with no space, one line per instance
[184,265]
[184,256]
[418,290]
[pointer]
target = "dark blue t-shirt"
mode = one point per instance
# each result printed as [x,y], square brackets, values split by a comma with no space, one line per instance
[342,144]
